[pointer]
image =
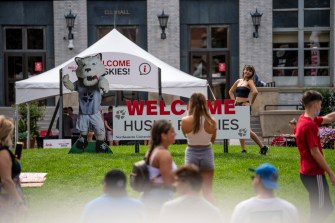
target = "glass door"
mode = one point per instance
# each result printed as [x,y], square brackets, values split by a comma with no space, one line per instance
[214,67]
[20,66]
[219,74]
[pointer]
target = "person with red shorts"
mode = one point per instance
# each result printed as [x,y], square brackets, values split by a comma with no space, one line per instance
[313,165]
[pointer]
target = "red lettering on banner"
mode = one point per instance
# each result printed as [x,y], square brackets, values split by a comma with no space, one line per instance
[174,107]
[135,108]
[116,63]
[151,108]
[229,107]
[216,108]
[161,109]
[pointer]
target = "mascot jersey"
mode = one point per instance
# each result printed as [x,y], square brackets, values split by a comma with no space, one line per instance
[89,98]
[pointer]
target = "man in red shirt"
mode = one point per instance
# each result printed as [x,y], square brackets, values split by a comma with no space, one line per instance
[313,165]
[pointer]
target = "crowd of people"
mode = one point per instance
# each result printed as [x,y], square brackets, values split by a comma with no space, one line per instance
[196,174]
[193,180]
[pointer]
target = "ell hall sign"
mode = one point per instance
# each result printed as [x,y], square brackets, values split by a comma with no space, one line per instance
[134,121]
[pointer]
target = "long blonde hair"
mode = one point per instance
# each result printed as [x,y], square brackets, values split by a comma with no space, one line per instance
[6,131]
[198,108]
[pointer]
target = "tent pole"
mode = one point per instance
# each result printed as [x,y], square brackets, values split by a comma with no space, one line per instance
[159,85]
[28,126]
[60,110]
[211,91]
[16,119]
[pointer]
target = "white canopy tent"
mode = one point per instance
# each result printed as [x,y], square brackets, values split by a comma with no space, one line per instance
[173,81]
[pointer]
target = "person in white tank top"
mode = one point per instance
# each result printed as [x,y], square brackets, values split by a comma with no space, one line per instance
[200,130]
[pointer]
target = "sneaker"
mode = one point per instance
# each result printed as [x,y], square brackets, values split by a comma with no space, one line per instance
[81,143]
[244,151]
[264,150]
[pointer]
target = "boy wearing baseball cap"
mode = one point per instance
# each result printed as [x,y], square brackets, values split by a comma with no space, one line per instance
[265,206]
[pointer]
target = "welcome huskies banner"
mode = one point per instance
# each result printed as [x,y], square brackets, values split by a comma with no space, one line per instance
[134,121]
[122,69]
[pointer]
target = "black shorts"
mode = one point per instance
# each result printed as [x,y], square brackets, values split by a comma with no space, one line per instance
[241,103]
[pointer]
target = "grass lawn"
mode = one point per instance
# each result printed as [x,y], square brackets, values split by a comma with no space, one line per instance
[74,179]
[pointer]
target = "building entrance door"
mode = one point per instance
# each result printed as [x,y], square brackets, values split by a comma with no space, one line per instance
[214,67]
[20,66]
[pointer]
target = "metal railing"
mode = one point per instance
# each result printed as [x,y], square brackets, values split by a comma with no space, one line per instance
[297,107]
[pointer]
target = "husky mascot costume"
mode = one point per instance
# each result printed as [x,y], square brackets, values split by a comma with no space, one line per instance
[90,86]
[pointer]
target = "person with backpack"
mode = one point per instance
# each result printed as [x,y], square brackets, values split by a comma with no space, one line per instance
[160,168]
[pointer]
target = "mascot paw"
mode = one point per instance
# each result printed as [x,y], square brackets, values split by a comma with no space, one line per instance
[104,85]
[101,147]
[81,143]
[66,78]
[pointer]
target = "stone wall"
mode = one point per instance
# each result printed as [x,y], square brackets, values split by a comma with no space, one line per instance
[274,122]
[256,51]
[266,96]
[167,50]
[62,52]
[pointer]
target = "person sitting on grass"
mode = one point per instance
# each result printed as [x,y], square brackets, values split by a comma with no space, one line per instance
[291,141]
[190,207]
[114,205]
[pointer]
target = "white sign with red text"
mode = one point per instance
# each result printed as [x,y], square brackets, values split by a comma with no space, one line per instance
[134,121]
[56,143]
[122,69]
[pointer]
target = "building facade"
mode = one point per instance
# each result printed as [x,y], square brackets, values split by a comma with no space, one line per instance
[211,39]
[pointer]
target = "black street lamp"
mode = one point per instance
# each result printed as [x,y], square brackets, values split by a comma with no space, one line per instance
[256,20]
[70,18]
[163,19]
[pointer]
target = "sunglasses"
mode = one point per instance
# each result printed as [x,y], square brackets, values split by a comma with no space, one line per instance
[249,67]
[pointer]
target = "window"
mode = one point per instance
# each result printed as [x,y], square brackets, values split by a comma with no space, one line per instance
[209,56]
[24,56]
[316,53]
[285,54]
[304,61]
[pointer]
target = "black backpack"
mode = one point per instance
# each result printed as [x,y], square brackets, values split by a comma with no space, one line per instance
[139,176]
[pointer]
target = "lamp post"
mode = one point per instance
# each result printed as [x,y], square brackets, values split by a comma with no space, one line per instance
[163,19]
[256,20]
[70,18]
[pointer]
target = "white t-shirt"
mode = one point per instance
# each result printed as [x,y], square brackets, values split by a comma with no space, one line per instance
[107,208]
[270,210]
[189,209]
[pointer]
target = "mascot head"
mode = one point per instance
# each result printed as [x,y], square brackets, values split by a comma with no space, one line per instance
[90,69]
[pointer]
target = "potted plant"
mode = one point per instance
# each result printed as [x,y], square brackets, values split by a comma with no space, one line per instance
[36,113]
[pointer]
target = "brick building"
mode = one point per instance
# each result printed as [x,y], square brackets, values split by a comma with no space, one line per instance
[210,39]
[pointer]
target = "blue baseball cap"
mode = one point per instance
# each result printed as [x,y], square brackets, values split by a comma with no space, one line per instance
[268,175]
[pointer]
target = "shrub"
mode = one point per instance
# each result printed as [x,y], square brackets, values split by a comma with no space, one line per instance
[36,113]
